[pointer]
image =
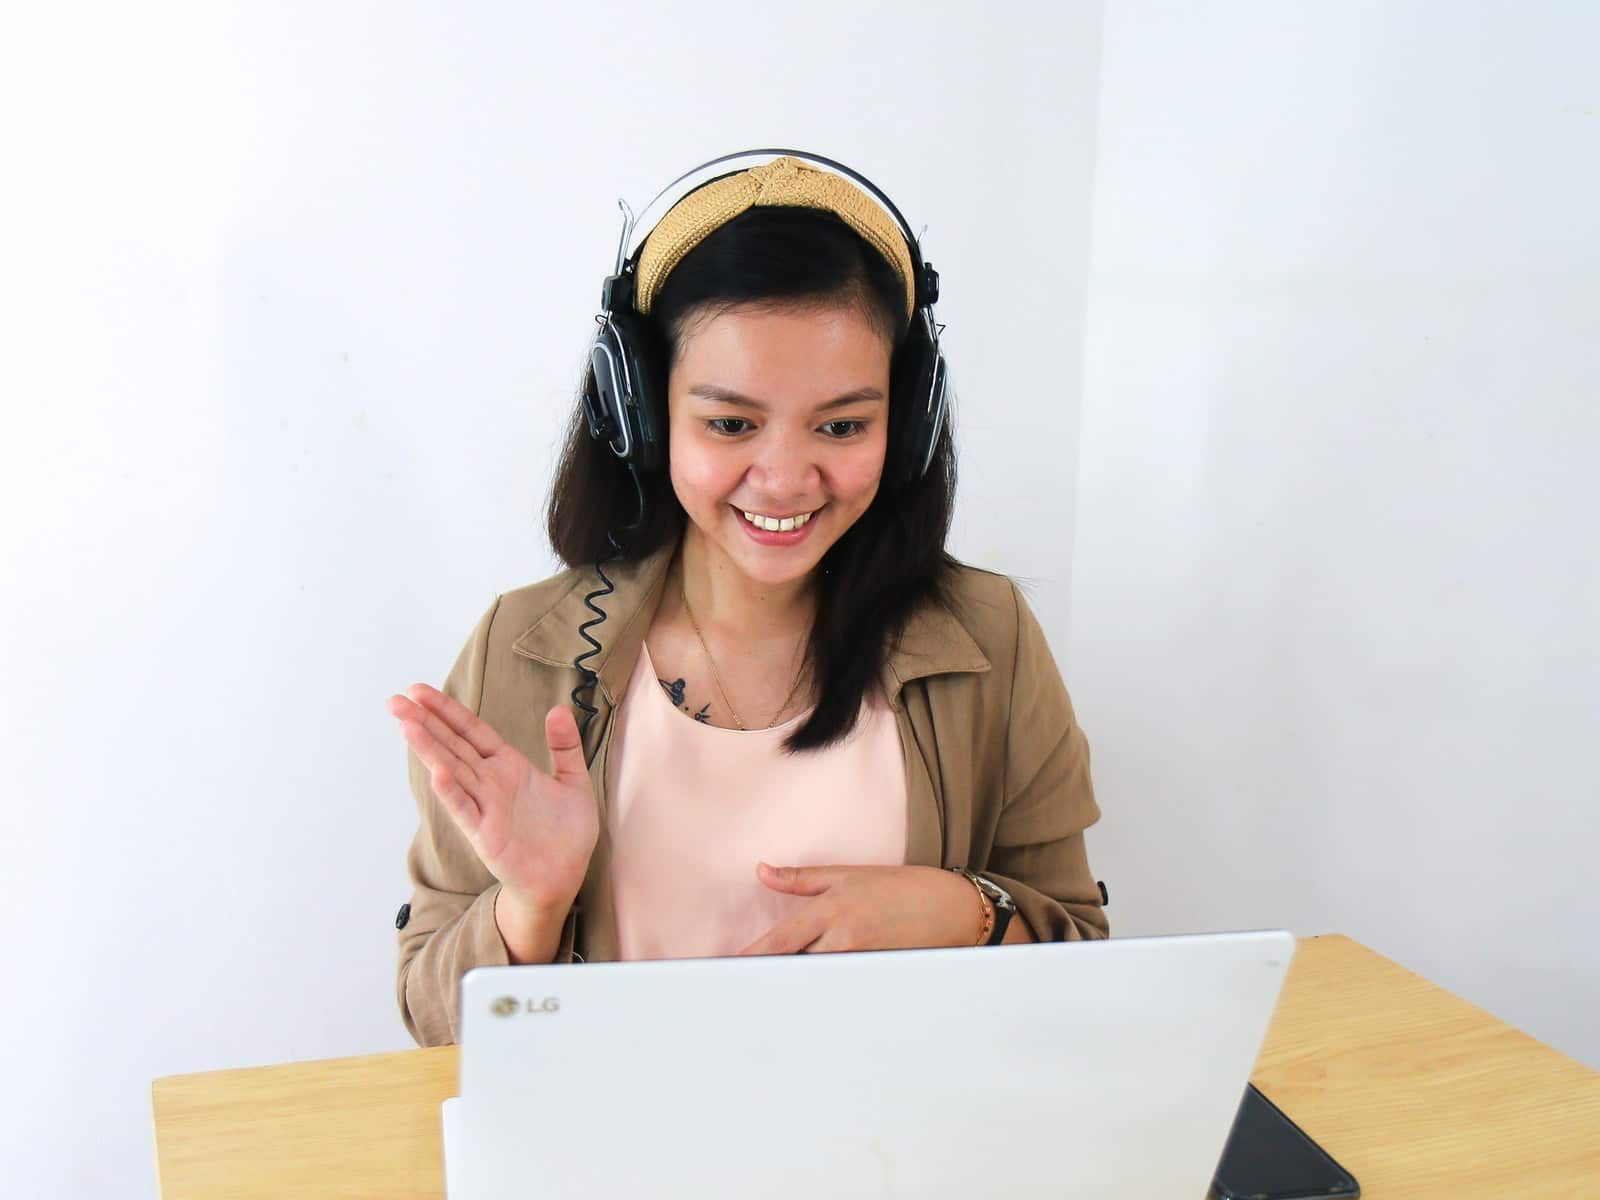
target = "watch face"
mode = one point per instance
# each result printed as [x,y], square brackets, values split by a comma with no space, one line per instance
[997,893]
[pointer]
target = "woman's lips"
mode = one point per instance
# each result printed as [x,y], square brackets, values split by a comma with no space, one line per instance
[776,537]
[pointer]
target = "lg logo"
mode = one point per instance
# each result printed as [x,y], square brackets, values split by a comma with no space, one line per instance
[510,1006]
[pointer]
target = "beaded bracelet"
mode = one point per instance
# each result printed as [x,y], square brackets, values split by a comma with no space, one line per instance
[987,926]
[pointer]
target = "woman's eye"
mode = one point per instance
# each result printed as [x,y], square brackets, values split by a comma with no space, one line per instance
[734,426]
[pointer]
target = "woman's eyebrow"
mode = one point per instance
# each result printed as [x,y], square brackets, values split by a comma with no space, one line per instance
[710,391]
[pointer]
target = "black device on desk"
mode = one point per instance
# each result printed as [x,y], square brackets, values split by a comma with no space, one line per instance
[1269,1157]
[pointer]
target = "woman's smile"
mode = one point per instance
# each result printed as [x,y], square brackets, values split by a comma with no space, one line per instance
[768,530]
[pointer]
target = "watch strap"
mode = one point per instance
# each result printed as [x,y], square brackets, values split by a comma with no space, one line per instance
[1002,921]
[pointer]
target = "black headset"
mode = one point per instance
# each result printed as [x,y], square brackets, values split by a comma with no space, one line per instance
[626,402]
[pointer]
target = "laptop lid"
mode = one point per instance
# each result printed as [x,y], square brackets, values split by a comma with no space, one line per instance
[1024,1070]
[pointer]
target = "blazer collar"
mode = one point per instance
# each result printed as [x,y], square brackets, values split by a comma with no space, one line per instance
[934,641]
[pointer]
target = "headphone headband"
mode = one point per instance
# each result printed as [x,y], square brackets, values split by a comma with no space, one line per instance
[782,183]
[628,246]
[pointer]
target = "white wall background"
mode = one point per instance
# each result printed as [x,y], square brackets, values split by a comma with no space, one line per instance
[1333,629]
[293,300]
[294,303]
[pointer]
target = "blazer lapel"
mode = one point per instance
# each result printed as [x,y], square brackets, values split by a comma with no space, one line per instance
[629,609]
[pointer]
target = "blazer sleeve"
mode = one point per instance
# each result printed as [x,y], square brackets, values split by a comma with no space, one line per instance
[1038,853]
[451,928]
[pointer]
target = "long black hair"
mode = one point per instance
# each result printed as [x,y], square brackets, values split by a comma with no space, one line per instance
[891,561]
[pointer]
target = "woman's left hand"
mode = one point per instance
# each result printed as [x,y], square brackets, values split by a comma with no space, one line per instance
[870,908]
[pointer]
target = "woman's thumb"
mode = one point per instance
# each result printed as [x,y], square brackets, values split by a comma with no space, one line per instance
[797,881]
[566,750]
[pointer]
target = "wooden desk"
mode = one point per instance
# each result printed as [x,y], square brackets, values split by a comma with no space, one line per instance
[1417,1092]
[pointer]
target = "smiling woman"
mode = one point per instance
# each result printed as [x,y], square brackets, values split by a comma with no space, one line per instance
[752,502]
[770,334]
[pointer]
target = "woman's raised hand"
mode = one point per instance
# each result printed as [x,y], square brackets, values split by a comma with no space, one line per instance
[534,832]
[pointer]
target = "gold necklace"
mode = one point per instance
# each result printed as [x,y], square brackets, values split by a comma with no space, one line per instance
[716,676]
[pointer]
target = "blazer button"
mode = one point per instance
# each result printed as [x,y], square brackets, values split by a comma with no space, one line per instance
[401,917]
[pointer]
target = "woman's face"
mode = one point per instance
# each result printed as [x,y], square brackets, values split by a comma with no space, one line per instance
[781,414]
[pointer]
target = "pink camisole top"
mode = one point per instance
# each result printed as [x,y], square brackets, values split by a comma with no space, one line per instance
[692,808]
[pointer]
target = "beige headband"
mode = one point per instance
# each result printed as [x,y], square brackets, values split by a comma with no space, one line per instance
[783,181]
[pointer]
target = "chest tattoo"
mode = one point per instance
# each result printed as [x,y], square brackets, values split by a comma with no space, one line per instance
[674,691]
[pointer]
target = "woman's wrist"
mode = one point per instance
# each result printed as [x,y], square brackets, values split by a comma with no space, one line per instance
[973,918]
[530,927]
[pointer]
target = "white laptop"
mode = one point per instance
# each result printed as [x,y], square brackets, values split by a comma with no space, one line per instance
[1104,1069]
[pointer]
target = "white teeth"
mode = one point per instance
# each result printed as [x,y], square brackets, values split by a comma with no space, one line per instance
[777,524]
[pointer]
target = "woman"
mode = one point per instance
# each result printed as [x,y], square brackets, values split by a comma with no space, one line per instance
[809,727]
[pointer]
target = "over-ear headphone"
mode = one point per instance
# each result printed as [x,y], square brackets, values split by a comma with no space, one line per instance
[626,404]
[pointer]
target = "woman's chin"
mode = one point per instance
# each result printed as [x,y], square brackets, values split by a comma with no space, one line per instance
[766,569]
[773,565]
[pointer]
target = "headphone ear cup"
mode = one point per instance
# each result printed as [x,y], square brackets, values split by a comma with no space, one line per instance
[629,375]
[916,388]
[602,401]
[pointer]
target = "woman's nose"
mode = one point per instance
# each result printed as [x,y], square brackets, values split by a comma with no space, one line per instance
[785,466]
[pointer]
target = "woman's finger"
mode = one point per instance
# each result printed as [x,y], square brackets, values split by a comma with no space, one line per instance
[831,941]
[459,717]
[457,803]
[566,750]
[461,749]
[435,756]
[790,935]
[798,881]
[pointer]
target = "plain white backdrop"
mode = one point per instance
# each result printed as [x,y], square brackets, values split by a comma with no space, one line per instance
[1334,591]
[293,301]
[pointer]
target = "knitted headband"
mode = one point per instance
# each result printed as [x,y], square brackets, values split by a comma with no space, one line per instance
[783,181]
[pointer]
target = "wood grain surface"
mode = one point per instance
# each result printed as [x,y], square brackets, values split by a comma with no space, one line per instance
[1417,1092]
[1420,1094]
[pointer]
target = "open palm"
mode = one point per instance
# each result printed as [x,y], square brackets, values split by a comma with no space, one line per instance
[534,832]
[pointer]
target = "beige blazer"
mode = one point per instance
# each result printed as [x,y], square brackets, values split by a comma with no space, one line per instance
[997,770]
